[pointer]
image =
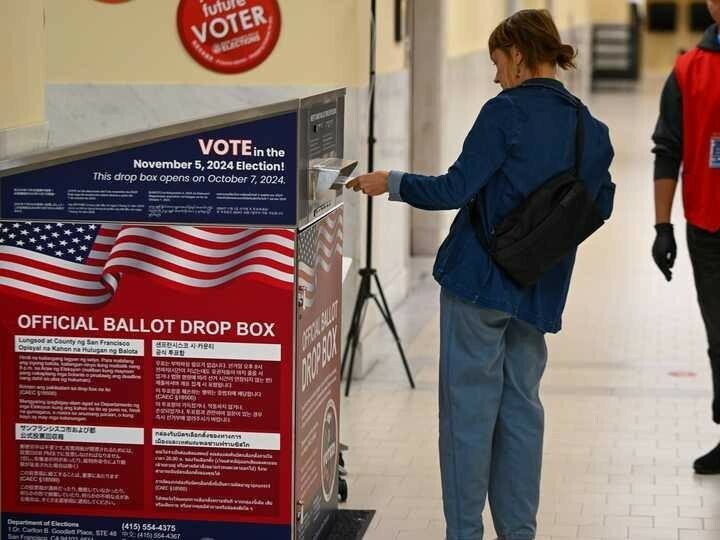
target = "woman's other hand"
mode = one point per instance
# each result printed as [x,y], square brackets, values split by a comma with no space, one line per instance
[373,184]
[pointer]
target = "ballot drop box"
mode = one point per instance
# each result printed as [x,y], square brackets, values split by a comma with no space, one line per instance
[169,341]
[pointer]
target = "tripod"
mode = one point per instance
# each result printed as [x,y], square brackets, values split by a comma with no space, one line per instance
[368,274]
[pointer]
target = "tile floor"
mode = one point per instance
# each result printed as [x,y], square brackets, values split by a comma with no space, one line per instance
[622,431]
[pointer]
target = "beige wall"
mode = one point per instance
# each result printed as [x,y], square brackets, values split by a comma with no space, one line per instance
[22,57]
[333,34]
[470,23]
[610,11]
[322,43]
[660,49]
[391,56]
[533,4]
[571,13]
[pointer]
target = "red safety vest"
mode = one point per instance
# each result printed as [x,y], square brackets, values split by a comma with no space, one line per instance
[698,76]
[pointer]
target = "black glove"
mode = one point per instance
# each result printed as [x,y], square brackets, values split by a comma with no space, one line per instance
[664,249]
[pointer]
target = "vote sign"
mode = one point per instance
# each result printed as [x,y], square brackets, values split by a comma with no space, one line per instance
[229,36]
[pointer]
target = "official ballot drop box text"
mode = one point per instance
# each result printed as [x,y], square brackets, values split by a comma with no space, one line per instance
[169,341]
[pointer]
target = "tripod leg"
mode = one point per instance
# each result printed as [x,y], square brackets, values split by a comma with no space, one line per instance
[354,324]
[352,363]
[356,336]
[391,324]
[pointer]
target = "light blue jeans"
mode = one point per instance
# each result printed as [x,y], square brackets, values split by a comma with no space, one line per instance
[491,420]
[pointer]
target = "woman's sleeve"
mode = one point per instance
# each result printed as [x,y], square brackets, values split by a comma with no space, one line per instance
[606,196]
[483,152]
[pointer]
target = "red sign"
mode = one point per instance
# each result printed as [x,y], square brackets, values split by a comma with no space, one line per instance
[168,398]
[229,36]
[317,375]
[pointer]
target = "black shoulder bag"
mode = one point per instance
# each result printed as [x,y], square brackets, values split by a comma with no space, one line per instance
[548,225]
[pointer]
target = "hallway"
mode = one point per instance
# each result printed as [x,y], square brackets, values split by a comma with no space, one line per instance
[626,393]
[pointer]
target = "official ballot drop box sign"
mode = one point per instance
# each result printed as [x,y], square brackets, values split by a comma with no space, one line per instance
[169,333]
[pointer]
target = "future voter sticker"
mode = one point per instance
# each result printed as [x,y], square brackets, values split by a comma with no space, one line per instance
[229,36]
[329,450]
[715,152]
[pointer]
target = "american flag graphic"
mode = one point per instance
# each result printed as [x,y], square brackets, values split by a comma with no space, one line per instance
[316,248]
[83,263]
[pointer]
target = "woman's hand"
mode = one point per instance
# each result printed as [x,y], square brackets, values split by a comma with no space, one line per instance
[373,184]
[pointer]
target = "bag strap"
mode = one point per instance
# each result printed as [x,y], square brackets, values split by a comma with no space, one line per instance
[579,143]
[579,140]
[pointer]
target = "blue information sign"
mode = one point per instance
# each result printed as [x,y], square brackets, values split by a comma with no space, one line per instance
[241,174]
[43,527]
[715,152]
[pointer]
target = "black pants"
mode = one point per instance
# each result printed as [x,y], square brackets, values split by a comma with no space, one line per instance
[704,250]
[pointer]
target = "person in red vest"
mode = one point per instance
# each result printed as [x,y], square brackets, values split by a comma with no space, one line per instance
[688,134]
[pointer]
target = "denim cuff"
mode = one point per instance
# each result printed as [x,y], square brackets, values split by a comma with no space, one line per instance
[394,181]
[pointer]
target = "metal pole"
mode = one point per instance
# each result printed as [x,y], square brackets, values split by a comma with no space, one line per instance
[371,131]
[368,272]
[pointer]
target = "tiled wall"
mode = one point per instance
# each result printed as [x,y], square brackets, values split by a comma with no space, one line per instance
[23,140]
[578,81]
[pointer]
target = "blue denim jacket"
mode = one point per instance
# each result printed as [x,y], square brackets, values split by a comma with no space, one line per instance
[521,138]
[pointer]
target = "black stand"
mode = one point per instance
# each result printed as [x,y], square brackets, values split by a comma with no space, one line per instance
[369,274]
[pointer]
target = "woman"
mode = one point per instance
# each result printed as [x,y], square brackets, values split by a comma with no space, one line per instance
[492,343]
